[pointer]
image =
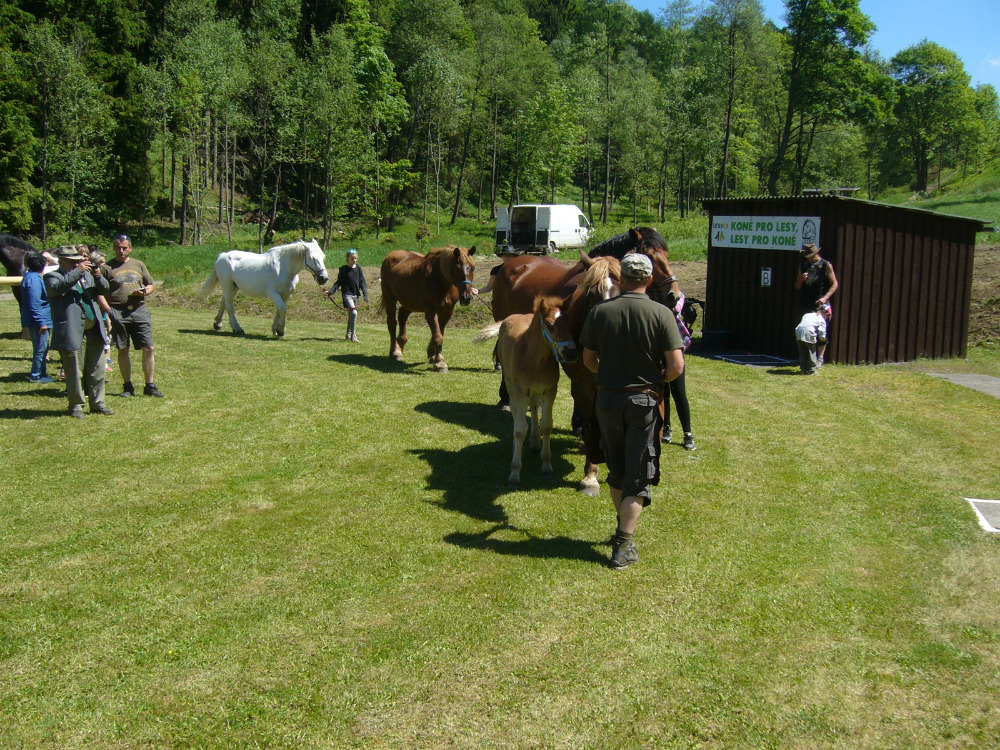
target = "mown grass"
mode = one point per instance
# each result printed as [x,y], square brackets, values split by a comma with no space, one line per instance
[307,545]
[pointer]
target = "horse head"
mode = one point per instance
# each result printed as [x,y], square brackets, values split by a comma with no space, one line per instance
[650,242]
[316,261]
[556,329]
[602,279]
[457,268]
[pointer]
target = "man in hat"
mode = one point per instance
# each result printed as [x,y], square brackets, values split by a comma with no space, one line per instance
[633,345]
[816,281]
[73,289]
[352,285]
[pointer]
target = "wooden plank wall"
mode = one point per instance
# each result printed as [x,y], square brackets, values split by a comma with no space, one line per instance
[905,282]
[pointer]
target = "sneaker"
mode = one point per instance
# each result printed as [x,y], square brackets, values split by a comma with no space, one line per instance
[102,409]
[667,435]
[152,390]
[624,555]
[77,412]
[689,442]
[43,379]
[128,391]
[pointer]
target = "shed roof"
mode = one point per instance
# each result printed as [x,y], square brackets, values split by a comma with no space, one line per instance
[711,203]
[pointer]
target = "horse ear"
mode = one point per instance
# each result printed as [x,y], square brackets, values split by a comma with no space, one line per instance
[472,250]
[636,237]
[586,259]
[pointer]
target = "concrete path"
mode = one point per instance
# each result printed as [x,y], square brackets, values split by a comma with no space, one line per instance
[985,383]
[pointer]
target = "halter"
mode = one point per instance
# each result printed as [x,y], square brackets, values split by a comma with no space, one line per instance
[557,346]
[660,284]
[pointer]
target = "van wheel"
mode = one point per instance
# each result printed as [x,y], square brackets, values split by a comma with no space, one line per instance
[551,248]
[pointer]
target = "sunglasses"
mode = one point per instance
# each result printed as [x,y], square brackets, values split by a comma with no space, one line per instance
[124,237]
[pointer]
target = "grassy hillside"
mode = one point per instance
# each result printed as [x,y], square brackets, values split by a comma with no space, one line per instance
[976,195]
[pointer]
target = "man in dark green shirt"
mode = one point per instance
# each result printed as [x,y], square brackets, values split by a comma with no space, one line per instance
[633,346]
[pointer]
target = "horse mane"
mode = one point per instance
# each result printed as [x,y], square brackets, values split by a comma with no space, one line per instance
[602,269]
[440,259]
[615,247]
[9,240]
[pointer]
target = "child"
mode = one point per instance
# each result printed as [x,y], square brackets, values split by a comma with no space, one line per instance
[36,315]
[810,334]
[352,285]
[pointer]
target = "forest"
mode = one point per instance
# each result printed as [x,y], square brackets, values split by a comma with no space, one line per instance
[298,114]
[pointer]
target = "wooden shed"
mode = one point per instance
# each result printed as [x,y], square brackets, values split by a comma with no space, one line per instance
[905,276]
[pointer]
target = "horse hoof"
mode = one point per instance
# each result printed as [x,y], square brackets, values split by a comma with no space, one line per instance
[441,367]
[590,490]
[513,481]
[217,326]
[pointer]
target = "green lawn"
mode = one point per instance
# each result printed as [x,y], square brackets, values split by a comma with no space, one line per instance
[306,545]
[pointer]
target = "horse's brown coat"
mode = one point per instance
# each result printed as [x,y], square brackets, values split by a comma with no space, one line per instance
[431,284]
[531,373]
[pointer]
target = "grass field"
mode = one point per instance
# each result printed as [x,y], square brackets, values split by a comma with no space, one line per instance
[306,545]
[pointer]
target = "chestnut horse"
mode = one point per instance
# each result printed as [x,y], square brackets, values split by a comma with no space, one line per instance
[523,278]
[530,350]
[581,290]
[430,284]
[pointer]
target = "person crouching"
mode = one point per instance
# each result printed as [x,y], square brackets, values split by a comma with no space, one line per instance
[810,335]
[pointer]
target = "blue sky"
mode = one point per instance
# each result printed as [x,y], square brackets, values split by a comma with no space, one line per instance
[969,28]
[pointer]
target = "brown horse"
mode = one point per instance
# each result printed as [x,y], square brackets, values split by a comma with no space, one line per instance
[647,241]
[430,284]
[530,350]
[587,283]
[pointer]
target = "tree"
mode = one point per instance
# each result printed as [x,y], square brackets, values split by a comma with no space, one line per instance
[934,102]
[824,76]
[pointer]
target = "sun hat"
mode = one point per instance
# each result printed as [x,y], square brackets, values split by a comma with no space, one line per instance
[809,248]
[637,266]
[68,252]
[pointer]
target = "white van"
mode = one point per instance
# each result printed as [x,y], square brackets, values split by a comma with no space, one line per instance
[542,228]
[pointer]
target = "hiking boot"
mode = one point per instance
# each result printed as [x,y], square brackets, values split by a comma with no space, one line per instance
[102,409]
[77,412]
[152,390]
[624,555]
[127,391]
[689,442]
[667,435]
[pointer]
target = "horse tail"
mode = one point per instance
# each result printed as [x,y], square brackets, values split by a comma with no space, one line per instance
[490,332]
[209,285]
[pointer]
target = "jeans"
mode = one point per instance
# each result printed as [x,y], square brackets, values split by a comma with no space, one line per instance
[351,304]
[39,348]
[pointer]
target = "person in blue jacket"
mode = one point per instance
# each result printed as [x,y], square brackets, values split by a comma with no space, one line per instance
[36,315]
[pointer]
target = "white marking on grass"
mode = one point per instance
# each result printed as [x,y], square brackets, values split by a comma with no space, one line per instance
[988,512]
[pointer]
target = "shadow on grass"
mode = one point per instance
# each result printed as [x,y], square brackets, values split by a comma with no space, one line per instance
[227,334]
[29,413]
[389,365]
[532,546]
[784,371]
[473,480]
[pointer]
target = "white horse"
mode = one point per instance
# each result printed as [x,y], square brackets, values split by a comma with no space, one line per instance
[273,274]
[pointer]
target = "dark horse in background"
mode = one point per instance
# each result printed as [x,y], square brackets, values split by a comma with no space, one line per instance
[431,284]
[12,252]
[523,278]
